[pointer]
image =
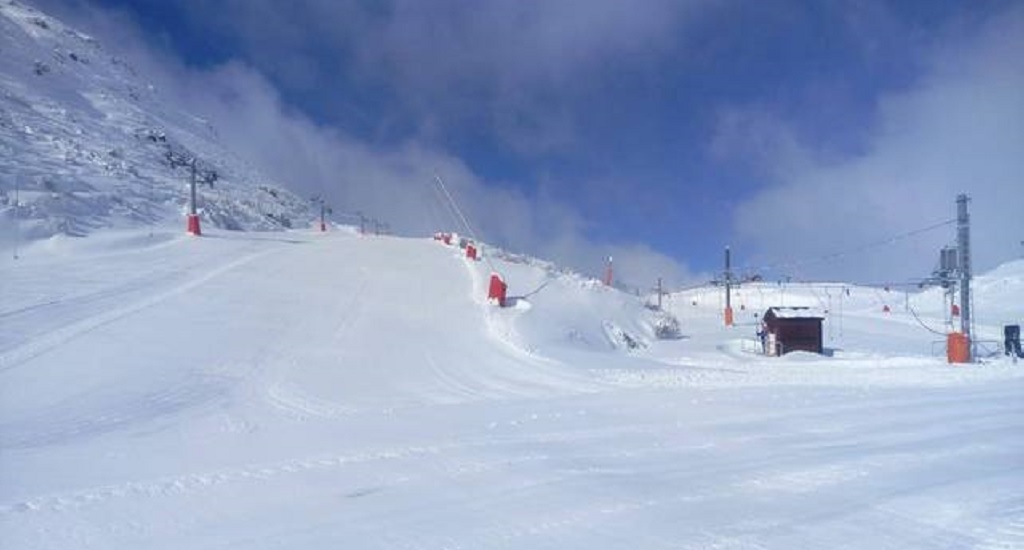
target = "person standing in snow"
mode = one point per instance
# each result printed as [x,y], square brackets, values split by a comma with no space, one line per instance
[762,335]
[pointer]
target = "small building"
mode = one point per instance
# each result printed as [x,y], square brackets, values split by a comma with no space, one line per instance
[789,329]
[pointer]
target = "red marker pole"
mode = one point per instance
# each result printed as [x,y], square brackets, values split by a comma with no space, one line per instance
[193,215]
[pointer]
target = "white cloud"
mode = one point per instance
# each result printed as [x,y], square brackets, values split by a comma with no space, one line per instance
[510,69]
[393,183]
[959,130]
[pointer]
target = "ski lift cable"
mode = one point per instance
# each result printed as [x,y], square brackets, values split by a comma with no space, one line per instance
[462,217]
[444,204]
[538,289]
[853,250]
[923,325]
[455,205]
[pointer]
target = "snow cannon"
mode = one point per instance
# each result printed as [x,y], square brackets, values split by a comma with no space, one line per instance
[497,289]
[193,225]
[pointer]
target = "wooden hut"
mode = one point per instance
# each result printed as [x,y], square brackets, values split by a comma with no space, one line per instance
[791,329]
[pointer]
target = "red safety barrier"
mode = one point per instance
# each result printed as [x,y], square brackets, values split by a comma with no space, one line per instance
[497,289]
[193,225]
[958,348]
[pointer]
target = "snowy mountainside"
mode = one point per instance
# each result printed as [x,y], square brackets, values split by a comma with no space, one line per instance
[335,390]
[87,142]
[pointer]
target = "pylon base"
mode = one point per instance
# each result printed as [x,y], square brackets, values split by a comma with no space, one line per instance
[193,225]
[497,290]
[958,348]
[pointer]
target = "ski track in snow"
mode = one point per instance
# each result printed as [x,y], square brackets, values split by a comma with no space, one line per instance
[66,424]
[349,405]
[304,390]
[37,346]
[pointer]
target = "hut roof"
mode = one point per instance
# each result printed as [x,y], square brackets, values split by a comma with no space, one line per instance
[796,313]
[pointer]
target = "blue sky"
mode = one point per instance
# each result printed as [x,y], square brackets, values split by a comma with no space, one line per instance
[657,131]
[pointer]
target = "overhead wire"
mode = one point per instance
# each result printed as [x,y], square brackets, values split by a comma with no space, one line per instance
[923,325]
[461,217]
[445,205]
[455,206]
[853,250]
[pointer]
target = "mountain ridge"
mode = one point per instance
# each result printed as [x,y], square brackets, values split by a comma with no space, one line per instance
[90,143]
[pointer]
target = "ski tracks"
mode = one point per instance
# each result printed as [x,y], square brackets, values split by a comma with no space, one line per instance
[38,346]
[288,397]
[95,415]
[452,458]
[192,483]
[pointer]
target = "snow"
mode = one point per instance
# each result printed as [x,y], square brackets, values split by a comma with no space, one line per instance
[87,143]
[797,312]
[298,389]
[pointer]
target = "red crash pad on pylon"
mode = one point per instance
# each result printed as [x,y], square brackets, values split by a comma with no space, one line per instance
[193,225]
[497,289]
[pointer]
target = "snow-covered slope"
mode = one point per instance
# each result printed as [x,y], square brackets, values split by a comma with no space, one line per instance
[554,311]
[310,390]
[331,390]
[87,142]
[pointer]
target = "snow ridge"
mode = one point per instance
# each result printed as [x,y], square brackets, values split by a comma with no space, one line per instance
[88,143]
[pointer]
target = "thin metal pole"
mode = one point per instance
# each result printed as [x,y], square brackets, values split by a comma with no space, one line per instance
[659,293]
[192,190]
[963,241]
[728,279]
[17,227]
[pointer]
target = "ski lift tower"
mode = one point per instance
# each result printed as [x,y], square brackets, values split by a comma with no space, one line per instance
[963,245]
[954,275]
[728,288]
[193,227]
[324,211]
